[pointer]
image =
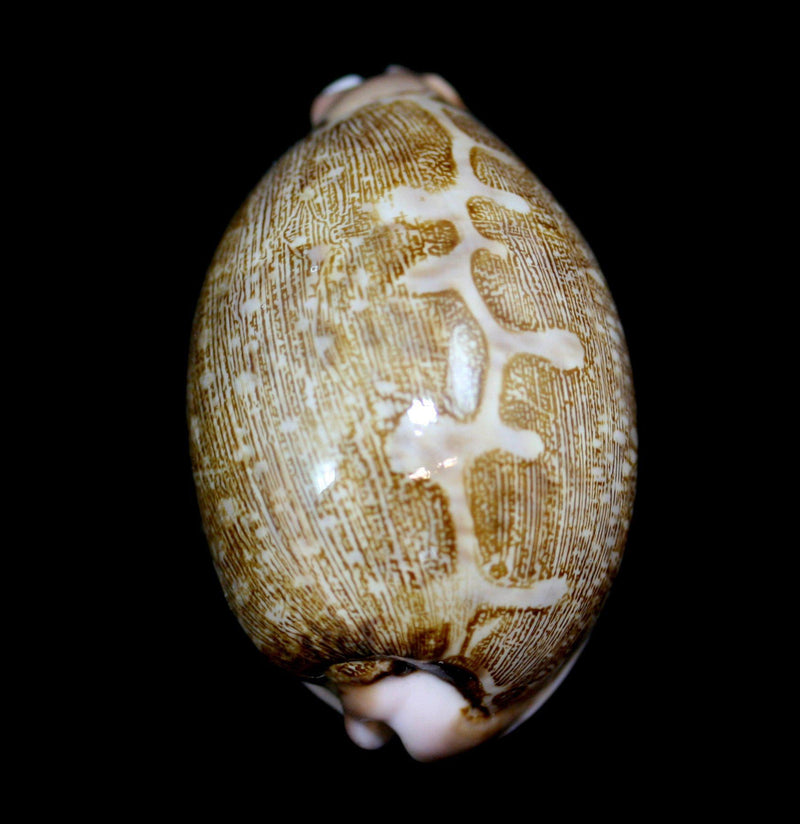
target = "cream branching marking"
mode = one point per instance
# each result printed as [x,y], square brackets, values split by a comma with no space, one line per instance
[426,445]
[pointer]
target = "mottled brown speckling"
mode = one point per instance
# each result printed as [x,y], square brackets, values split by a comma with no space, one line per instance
[411,408]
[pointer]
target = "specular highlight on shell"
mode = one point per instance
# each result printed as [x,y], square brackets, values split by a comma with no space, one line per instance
[412,420]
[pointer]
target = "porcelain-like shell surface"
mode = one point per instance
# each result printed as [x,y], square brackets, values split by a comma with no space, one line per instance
[411,409]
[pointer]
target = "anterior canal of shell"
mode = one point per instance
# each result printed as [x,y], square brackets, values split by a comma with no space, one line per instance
[412,420]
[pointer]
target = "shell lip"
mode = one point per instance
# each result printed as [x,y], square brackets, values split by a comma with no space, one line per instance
[352,91]
[451,672]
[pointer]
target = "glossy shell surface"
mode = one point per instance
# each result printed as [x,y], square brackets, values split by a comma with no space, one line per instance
[411,414]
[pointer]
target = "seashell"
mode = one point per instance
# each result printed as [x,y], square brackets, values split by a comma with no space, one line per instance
[412,420]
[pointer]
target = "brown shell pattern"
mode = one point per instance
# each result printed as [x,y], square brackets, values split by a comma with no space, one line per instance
[411,408]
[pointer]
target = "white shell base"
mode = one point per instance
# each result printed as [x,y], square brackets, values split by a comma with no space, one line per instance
[424,711]
[428,714]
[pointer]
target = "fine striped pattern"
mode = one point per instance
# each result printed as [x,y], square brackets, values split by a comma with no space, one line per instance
[411,408]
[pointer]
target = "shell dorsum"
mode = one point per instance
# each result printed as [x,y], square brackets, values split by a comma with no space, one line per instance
[412,420]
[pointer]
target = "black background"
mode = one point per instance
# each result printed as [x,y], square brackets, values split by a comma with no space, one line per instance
[178,121]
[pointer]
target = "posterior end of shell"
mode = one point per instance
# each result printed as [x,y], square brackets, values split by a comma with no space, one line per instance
[352,91]
[429,716]
[432,717]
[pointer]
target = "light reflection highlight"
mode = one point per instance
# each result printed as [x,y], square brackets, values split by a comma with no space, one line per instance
[325,476]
